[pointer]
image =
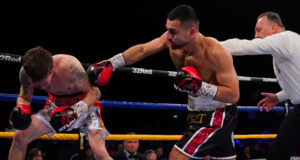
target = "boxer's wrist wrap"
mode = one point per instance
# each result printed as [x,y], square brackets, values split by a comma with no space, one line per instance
[80,108]
[208,90]
[117,61]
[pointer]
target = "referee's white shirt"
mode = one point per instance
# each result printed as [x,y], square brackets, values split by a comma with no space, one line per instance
[285,49]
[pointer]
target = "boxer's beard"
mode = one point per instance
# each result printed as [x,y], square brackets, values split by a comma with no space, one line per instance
[177,45]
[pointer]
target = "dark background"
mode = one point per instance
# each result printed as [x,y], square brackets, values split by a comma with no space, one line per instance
[94,31]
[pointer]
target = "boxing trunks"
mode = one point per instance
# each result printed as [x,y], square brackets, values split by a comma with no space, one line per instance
[91,121]
[210,130]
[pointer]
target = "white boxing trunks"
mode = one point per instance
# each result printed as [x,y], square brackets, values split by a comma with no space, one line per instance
[91,121]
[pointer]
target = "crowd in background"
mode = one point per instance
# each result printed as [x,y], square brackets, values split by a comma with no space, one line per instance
[149,150]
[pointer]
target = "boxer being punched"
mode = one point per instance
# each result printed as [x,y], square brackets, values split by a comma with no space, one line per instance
[72,102]
[206,72]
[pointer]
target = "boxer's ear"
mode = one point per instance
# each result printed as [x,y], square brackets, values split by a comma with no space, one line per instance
[193,32]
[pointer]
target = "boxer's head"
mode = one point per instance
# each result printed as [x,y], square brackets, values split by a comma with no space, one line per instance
[267,24]
[182,25]
[38,63]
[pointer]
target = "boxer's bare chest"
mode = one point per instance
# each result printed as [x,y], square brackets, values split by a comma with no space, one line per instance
[63,84]
[199,62]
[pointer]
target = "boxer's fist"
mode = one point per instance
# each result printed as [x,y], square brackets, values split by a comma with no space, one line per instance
[188,80]
[100,73]
[62,118]
[20,117]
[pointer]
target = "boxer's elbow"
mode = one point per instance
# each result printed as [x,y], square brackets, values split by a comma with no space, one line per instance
[235,96]
[227,95]
[95,93]
[98,93]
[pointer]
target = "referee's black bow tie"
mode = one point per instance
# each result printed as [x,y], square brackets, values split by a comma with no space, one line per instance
[132,156]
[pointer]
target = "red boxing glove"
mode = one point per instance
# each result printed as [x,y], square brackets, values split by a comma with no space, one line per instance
[62,118]
[100,73]
[20,117]
[25,109]
[188,80]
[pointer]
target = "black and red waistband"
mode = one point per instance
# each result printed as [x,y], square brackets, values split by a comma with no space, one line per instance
[66,100]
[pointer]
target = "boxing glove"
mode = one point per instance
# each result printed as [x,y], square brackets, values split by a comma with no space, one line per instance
[64,117]
[20,117]
[99,74]
[188,80]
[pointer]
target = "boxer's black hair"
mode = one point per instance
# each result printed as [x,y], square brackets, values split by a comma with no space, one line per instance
[37,63]
[186,14]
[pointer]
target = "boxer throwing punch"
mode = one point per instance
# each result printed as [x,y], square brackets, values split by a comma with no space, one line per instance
[72,102]
[206,73]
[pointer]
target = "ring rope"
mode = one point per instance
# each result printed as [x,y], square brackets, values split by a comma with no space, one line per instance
[140,71]
[140,105]
[145,137]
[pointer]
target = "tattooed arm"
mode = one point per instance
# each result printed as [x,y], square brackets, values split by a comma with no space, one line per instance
[81,81]
[20,115]
[26,89]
